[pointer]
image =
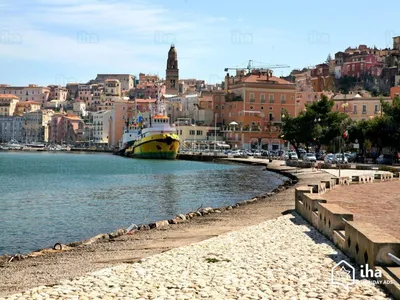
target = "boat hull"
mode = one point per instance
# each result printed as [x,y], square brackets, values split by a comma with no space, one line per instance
[156,146]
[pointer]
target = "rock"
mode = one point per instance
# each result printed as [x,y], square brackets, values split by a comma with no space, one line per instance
[229,208]
[198,213]
[182,217]
[117,233]
[144,227]
[172,221]
[132,227]
[217,211]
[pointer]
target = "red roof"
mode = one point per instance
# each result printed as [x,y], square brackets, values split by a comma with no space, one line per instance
[8,96]
[253,78]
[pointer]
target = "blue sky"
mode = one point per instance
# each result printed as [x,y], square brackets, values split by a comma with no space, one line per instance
[59,41]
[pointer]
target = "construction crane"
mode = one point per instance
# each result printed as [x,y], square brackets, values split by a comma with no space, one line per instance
[261,66]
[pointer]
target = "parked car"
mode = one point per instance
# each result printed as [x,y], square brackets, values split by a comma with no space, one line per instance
[301,152]
[257,153]
[309,157]
[264,153]
[385,159]
[339,158]
[328,159]
[291,155]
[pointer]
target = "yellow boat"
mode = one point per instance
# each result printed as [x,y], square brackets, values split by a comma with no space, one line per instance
[159,140]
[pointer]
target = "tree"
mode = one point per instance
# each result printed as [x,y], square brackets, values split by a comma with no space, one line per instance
[328,59]
[317,126]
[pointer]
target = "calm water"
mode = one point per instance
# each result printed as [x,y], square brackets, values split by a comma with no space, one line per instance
[47,198]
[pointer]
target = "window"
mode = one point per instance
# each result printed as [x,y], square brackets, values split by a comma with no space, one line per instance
[251,107]
[262,107]
[271,98]
[362,66]
[252,97]
[283,98]
[353,67]
[271,117]
[222,107]
[199,132]
[216,106]
[262,98]
[192,132]
[355,109]
[348,68]
[364,110]
[376,108]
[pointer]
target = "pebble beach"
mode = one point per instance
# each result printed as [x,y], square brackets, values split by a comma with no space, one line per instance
[282,258]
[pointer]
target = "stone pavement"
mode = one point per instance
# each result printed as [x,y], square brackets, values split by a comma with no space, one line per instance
[283,258]
[376,203]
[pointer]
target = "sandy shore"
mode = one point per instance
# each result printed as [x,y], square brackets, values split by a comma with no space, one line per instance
[48,270]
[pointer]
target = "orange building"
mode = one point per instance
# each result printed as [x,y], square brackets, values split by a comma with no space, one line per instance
[394,91]
[251,109]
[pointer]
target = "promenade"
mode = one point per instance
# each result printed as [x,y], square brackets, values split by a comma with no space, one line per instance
[263,250]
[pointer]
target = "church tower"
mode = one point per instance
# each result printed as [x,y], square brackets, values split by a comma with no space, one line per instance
[172,72]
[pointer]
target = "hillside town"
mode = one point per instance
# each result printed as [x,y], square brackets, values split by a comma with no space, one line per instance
[245,111]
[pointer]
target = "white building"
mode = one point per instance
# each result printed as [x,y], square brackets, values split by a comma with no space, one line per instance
[79,108]
[101,126]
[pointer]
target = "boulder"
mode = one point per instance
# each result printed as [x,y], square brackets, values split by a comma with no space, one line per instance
[132,227]
[181,216]
[144,227]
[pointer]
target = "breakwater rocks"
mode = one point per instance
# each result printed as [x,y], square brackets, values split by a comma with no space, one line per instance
[107,237]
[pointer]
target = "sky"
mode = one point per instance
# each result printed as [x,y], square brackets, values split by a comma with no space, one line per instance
[59,41]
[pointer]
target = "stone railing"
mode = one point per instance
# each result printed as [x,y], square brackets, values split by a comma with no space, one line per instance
[364,242]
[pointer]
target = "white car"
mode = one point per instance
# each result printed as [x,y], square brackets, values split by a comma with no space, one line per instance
[339,158]
[257,153]
[292,155]
[328,158]
[309,157]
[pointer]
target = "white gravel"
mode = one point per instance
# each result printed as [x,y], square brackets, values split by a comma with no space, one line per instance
[279,259]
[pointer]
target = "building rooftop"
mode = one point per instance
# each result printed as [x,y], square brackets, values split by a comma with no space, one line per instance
[3,96]
[22,103]
[255,78]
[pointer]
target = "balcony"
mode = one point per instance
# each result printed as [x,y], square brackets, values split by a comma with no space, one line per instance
[247,128]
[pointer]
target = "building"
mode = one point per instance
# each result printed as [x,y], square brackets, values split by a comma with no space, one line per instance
[10,128]
[148,78]
[8,104]
[321,78]
[395,91]
[72,90]
[66,129]
[359,105]
[307,98]
[172,72]
[197,137]
[85,94]
[252,110]
[118,121]
[97,91]
[127,81]
[31,92]
[35,126]
[79,108]
[101,126]
[26,106]
[147,90]
[58,93]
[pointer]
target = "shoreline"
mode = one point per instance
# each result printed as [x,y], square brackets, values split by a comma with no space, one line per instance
[96,250]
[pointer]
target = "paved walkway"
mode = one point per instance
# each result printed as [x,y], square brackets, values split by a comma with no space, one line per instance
[376,203]
[282,258]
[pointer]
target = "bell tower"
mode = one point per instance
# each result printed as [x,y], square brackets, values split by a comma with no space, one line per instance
[172,72]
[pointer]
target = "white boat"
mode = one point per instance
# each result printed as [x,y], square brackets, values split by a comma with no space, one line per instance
[13,145]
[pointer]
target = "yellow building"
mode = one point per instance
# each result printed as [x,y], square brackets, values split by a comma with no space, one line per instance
[8,103]
[26,106]
[359,106]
